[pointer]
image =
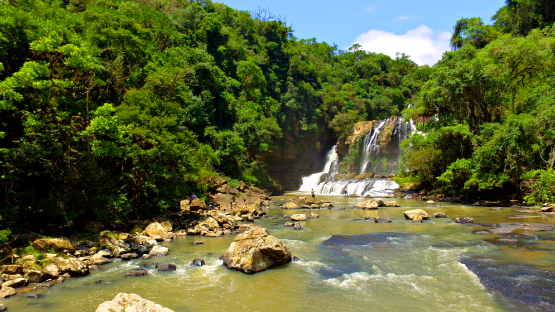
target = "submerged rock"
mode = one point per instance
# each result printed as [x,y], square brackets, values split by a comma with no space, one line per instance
[166,267]
[255,251]
[197,263]
[440,215]
[392,204]
[464,220]
[130,302]
[411,214]
[529,288]
[297,226]
[2,307]
[294,259]
[508,228]
[137,273]
[360,239]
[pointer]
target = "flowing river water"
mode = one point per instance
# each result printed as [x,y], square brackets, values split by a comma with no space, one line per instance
[404,267]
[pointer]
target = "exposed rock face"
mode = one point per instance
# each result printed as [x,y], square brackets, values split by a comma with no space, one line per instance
[6,292]
[256,251]
[369,204]
[59,244]
[74,267]
[440,215]
[360,130]
[11,269]
[198,204]
[158,251]
[116,246]
[412,214]
[158,231]
[130,303]
[33,276]
[51,271]
[291,205]
[298,217]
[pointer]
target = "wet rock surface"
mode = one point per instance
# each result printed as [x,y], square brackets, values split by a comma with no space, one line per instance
[256,250]
[197,263]
[361,239]
[508,228]
[525,286]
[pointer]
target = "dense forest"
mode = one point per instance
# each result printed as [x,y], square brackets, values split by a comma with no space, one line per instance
[111,109]
[488,109]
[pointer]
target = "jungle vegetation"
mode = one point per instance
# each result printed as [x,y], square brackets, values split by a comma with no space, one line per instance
[109,109]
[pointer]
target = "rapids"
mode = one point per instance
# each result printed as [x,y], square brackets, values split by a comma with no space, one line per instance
[398,266]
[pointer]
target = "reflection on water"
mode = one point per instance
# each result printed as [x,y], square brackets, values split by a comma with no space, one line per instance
[405,267]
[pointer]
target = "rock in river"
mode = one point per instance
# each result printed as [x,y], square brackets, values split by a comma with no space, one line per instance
[130,302]
[51,271]
[6,292]
[298,217]
[158,231]
[16,283]
[2,307]
[411,214]
[290,205]
[166,267]
[255,251]
[74,267]
[158,251]
[440,215]
[197,263]
[369,204]
[464,220]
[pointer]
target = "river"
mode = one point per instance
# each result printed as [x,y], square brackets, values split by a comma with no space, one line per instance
[413,267]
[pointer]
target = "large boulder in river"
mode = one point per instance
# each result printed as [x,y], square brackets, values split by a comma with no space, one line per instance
[158,251]
[416,213]
[255,251]
[15,283]
[116,246]
[130,303]
[73,267]
[158,231]
[369,204]
[290,205]
[61,245]
[207,226]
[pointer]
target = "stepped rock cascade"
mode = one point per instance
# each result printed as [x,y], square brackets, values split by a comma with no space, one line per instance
[382,152]
[331,169]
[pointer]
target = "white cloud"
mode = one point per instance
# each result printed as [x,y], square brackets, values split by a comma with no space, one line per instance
[422,44]
[372,7]
[402,18]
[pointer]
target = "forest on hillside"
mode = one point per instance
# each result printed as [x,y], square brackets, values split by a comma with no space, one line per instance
[109,109]
[489,108]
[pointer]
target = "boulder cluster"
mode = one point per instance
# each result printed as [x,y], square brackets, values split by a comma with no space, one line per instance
[302,203]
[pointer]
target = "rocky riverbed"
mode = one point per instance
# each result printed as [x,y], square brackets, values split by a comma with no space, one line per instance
[349,261]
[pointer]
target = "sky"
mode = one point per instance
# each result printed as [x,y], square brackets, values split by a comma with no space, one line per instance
[421,29]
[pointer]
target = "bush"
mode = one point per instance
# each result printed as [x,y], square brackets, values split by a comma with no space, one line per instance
[539,186]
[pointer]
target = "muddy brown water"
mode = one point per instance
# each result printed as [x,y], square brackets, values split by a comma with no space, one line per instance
[397,266]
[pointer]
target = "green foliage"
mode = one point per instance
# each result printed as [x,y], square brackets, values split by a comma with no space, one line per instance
[539,186]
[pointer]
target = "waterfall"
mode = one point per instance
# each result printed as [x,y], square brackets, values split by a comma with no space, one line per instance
[370,145]
[362,187]
[331,168]
[381,155]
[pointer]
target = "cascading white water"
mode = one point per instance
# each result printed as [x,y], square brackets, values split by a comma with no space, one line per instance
[370,145]
[362,187]
[331,167]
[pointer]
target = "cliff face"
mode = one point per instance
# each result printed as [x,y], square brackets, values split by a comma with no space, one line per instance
[296,157]
[360,130]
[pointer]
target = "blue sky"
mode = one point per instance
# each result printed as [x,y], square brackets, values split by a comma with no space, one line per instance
[418,28]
